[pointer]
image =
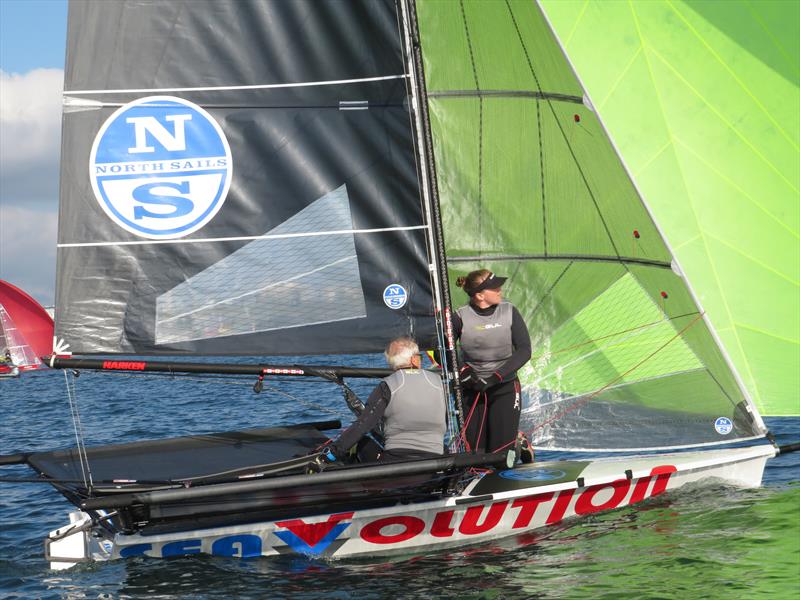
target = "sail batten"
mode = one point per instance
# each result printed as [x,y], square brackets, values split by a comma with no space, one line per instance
[227,88]
[537,95]
[567,257]
[309,234]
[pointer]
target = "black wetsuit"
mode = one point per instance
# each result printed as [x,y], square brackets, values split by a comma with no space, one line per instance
[492,416]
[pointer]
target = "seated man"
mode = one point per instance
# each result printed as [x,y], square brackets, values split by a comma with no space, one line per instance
[411,402]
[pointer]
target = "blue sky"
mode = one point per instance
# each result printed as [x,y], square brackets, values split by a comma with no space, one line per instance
[32,48]
[33,34]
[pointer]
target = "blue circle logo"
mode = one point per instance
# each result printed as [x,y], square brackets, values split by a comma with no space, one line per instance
[160,167]
[533,474]
[723,425]
[395,296]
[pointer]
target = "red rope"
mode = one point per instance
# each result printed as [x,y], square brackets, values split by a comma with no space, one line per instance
[581,401]
[469,418]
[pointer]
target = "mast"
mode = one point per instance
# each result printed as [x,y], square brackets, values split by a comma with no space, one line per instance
[430,194]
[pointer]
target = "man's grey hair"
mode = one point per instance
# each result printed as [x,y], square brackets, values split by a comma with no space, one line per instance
[399,352]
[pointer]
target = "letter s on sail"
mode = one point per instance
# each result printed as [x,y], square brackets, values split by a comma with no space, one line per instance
[145,194]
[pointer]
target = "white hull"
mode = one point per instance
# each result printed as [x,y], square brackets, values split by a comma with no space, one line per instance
[602,484]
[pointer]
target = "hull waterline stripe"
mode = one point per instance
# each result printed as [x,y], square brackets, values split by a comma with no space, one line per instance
[574,257]
[269,86]
[245,238]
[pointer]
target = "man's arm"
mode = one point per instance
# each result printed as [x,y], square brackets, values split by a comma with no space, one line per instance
[366,422]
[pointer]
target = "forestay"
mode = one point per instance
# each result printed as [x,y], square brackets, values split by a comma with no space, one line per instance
[238,177]
[531,187]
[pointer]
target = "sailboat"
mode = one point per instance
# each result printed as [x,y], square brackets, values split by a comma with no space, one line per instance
[26,331]
[309,177]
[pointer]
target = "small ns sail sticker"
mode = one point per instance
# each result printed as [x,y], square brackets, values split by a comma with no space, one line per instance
[723,425]
[160,167]
[395,296]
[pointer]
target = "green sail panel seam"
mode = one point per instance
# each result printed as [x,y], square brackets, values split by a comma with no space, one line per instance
[506,94]
[571,257]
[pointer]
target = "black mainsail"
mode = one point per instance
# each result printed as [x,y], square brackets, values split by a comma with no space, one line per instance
[239,177]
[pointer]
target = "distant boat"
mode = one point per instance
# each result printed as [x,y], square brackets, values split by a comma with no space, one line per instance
[26,331]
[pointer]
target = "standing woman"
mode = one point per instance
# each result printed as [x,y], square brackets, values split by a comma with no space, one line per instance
[494,344]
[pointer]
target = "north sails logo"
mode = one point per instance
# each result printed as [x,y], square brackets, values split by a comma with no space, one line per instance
[160,167]
[312,538]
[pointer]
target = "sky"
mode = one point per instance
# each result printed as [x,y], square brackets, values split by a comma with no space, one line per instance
[32,47]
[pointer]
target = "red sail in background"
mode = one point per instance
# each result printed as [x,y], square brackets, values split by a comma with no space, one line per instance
[26,327]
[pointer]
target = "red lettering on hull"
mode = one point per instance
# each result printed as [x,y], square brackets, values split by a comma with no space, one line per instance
[312,533]
[470,525]
[560,507]
[371,532]
[483,518]
[442,524]
[585,506]
[528,506]
[662,475]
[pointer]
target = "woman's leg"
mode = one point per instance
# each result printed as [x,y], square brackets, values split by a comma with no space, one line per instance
[502,422]
[474,434]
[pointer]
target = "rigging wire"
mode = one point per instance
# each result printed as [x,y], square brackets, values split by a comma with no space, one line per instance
[83,457]
[583,400]
[611,335]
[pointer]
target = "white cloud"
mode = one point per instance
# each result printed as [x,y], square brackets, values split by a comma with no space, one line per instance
[28,250]
[30,121]
[30,134]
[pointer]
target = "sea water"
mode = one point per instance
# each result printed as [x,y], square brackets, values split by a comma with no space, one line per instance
[702,541]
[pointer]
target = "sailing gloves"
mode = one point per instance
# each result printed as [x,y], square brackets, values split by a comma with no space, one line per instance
[471,380]
[484,383]
[467,376]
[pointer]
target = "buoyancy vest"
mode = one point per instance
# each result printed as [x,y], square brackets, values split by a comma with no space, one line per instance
[415,417]
[486,340]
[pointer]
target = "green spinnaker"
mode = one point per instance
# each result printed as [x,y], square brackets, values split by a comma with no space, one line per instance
[531,187]
[702,100]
